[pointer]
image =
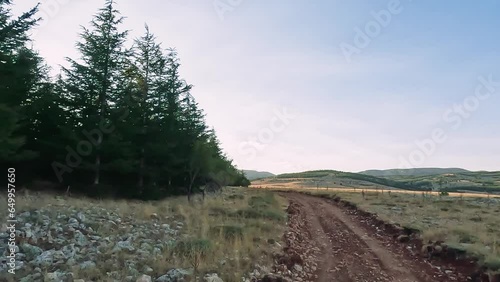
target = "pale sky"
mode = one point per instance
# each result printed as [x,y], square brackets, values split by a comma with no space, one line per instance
[324,84]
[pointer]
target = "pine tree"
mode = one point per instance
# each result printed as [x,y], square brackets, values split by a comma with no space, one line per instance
[94,82]
[13,33]
[150,67]
[9,143]
[42,115]
[131,104]
[171,146]
[18,73]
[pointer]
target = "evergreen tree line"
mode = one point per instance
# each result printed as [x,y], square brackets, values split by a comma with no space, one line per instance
[119,120]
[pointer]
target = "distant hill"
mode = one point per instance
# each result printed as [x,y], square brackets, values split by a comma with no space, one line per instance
[350,179]
[421,179]
[413,171]
[253,174]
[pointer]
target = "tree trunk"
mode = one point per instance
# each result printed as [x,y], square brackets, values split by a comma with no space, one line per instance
[189,190]
[140,184]
[97,169]
[191,183]
[145,92]
[102,110]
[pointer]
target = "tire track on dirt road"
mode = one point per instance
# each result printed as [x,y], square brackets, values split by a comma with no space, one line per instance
[348,251]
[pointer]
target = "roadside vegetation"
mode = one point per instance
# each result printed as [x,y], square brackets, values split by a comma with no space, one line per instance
[231,233]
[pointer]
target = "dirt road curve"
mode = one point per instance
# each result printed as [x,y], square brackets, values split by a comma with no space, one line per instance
[352,252]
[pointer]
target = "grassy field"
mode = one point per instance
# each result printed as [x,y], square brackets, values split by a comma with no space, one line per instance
[227,233]
[463,181]
[373,189]
[467,223]
[481,182]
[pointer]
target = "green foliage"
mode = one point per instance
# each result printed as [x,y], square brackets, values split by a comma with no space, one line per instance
[413,172]
[188,247]
[92,84]
[193,250]
[19,79]
[492,263]
[13,32]
[308,174]
[143,134]
[9,144]
[239,179]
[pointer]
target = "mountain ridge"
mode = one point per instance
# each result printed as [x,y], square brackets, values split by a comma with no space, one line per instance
[413,171]
[254,174]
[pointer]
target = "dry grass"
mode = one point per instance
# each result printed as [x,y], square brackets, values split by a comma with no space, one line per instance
[292,184]
[237,240]
[469,223]
[226,233]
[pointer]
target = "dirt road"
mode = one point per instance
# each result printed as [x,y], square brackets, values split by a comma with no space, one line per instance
[354,250]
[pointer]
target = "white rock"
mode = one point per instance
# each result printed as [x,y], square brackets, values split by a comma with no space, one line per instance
[212,278]
[297,268]
[144,278]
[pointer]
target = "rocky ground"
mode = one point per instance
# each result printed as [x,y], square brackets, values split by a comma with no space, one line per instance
[60,238]
[62,243]
[325,240]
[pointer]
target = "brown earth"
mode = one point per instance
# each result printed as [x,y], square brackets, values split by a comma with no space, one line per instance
[331,240]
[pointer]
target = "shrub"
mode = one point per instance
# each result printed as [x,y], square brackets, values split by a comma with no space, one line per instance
[256,214]
[187,248]
[236,197]
[262,201]
[229,232]
[193,251]
[492,263]
[464,236]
